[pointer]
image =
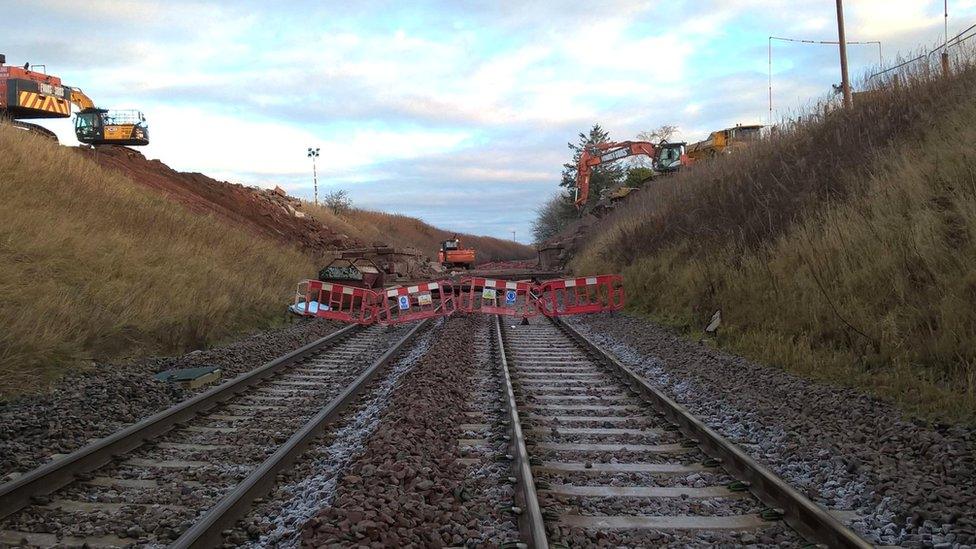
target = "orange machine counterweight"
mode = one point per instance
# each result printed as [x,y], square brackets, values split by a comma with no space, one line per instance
[452,255]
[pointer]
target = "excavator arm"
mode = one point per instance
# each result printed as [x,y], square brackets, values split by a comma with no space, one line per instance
[79,98]
[602,153]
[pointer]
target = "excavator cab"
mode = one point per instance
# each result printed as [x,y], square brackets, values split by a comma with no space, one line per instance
[111,127]
[670,157]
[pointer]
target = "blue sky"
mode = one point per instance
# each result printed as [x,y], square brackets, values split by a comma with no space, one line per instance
[456,112]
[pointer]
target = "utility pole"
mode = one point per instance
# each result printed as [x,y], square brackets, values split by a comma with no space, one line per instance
[513,236]
[945,45]
[845,81]
[313,154]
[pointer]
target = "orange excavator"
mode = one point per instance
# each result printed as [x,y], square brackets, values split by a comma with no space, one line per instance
[452,255]
[602,153]
[27,94]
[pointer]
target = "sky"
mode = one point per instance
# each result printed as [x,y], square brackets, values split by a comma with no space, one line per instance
[455,112]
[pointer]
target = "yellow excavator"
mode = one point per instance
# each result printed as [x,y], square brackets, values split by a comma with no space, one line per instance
[96,126]
[27,94]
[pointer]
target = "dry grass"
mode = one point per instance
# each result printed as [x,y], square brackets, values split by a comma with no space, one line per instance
[843,248]
[93,266]
[402,231]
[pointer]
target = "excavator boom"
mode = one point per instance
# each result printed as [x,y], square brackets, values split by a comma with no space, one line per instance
[602,153]
[79,98]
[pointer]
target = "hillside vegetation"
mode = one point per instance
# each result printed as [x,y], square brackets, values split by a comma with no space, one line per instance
[843,248]
[93,266]
[402,231]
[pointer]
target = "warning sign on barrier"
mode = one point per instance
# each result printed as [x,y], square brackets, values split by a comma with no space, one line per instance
[571,296]
[481,295]
[408,303]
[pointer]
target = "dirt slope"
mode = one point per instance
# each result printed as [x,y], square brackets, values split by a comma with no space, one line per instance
[263,212]
[315,230]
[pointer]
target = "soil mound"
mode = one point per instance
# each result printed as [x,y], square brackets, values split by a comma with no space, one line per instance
[265,212]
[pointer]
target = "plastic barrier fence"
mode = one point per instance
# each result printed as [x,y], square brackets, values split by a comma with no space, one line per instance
[571,296]
[335,302]
[574,296]
[409,303]
[497,297]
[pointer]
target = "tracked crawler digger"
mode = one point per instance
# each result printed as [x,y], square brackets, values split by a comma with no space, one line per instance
[96,126]
[27,94]
[666,158]
[452,255]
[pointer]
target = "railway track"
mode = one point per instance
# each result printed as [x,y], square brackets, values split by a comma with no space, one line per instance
[603,458]
[185,475]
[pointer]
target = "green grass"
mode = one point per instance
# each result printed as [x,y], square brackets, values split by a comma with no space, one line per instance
[96,267]
[842,249]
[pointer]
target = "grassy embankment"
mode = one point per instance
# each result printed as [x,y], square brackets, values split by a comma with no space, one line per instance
[402,231]
[842,249]
[93,266]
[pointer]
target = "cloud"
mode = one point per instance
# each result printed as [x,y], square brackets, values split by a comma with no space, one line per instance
[422,105]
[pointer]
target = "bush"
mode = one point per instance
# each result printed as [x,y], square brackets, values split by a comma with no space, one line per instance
[553,216]
[338,201]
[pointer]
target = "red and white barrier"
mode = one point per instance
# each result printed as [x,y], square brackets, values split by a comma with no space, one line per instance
[553,298]
[335,301]
[497,297]
[409,303]
[574,296]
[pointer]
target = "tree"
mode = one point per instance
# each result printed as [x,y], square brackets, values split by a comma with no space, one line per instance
[553,216]
[604,176]
[338,201]
[664,133]
[637,176]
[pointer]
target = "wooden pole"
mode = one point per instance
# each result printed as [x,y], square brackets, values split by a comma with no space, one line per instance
[842,38]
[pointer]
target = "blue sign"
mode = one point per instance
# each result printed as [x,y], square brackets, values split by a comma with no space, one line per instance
[510,297]
[404,302]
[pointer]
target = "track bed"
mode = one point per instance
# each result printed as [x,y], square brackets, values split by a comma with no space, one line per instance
[602,464]
[159,490]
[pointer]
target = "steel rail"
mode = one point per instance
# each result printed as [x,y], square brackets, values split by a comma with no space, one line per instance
[812,521]
[17,494]
[531,524]
[208,530]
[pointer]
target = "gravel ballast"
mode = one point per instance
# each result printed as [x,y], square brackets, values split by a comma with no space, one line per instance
[310,483]
[409,486]
[904,482]
[163,485]
[95,403]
